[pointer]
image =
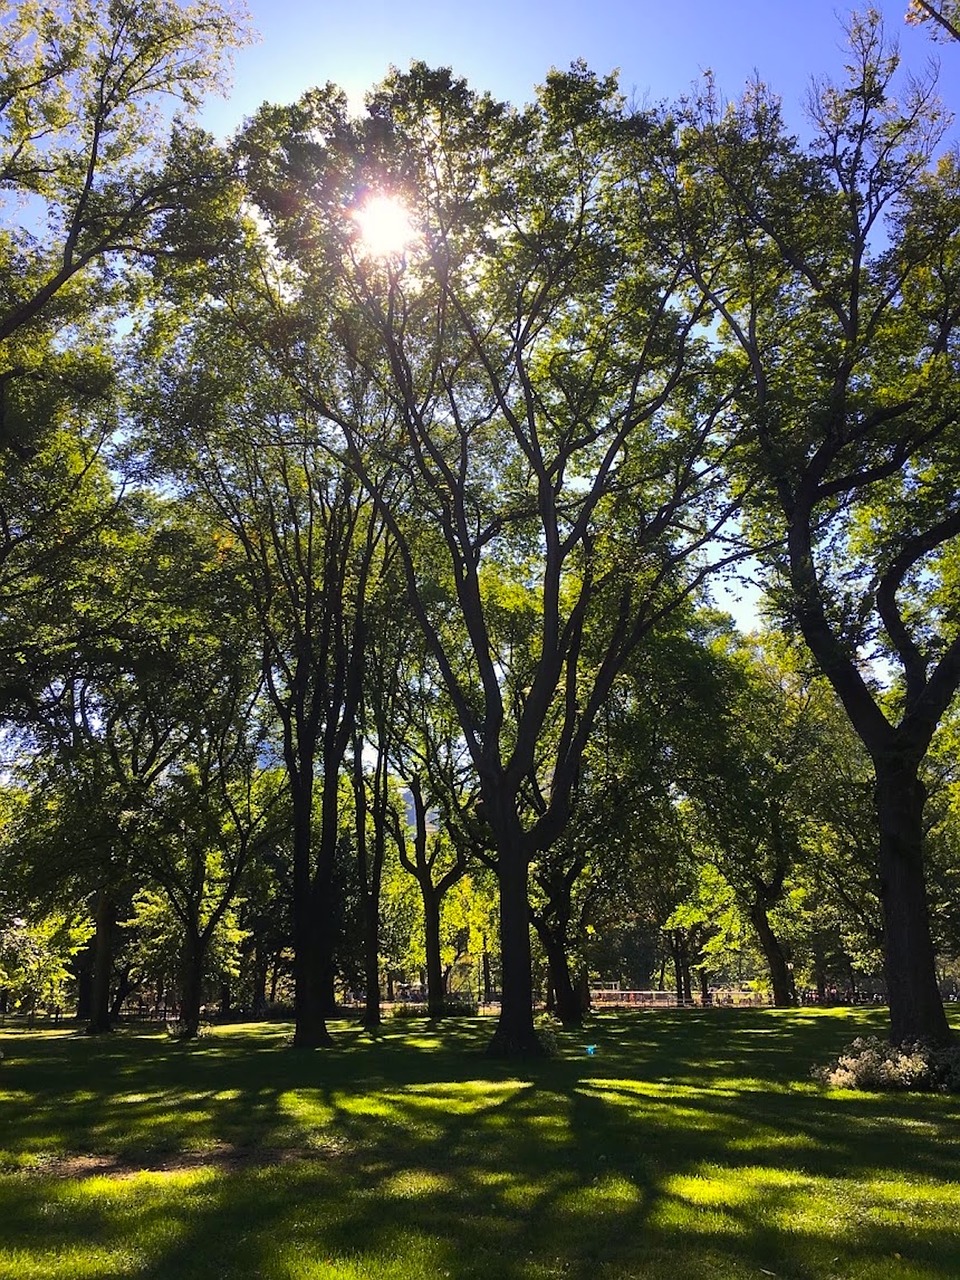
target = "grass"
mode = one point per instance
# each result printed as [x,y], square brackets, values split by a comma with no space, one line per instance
[692,1146]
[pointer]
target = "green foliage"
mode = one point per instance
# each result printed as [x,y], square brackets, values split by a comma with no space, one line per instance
[35,959]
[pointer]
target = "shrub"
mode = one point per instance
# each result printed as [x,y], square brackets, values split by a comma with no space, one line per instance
[454,1008]
[547,1027]
[870,1063]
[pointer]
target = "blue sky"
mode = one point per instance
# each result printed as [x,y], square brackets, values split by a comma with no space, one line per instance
[507,46]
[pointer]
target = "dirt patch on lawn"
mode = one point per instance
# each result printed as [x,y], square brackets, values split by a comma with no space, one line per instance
[224,1156]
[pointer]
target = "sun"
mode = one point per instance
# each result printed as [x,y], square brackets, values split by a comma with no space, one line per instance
[385,226]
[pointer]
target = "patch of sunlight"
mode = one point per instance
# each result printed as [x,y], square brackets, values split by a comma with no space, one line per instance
[404,1255]
[432,1043]
[82,1262]
[469,1095]
[675,1213]
[668,1112]
[382,1104]
[409,1184]
[941,1194]
[730,1200]
[657,1089]
[117,1189]
[611,1192]
[306,1106]
[10,1160]
[710,1192]
[774,1140]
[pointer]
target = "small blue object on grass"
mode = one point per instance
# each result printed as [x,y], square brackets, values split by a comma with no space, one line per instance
[591,1050]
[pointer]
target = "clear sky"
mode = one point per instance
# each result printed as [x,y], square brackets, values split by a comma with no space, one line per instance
[507,46]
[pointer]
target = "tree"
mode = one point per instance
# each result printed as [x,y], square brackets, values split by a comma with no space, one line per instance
[432,762]
[230,431]
[83,152]
[945,17]
[527,384]
[834,275]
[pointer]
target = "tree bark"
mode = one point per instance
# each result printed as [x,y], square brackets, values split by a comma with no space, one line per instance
[566,1000]
[676,952]
[104,918]
[83,969]
[310,1030]
[515,1035]
[916,1008]
[191,994]
[781,979]
[431,940]
[371,961]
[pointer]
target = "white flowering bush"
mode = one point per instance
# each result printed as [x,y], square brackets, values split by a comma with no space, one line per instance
[870,1063]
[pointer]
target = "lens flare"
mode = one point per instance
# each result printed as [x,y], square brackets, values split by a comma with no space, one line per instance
[384,226]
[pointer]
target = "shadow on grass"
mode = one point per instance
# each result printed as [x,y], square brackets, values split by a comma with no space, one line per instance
[690,1145]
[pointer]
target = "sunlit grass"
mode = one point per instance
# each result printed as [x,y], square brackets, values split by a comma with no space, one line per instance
[688,1146]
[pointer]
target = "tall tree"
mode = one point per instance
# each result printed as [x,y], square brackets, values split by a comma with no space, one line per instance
[523,378]
[833,272]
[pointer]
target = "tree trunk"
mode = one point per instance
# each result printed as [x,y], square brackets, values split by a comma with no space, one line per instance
[104,918]
[371,961]
[676,951]
[781,979]
[309,1003]
[567,1005]
[916,1009]
[191,992]
[685,967]
[311,995]
[260,967]
[431,939]
[487,975]
[583,989]
[83,969]
[123,989]
[515,1035]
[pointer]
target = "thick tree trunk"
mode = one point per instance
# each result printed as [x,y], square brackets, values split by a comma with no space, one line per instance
[916,1008]
[515,1035]
[431,939]
[191,993]
[83,969]
[311,994]
[567,1005]
[781,979]
[104,918]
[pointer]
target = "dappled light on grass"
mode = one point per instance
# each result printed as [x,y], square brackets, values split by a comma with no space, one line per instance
[684,1147]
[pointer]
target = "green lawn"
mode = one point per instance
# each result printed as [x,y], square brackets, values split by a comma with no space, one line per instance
[691,1145]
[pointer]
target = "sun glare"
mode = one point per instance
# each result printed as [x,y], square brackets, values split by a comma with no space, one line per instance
[384,225]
